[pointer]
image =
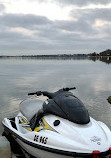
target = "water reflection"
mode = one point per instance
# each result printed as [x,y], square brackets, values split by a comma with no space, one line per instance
[106,59]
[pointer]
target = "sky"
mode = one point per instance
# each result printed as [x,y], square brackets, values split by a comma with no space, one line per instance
[54,26]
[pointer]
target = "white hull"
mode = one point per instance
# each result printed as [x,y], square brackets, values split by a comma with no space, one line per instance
[38,153]
[54,136]
[70,138]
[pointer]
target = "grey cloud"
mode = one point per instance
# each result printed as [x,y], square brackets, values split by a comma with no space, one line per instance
[75,26]
[73,2]
[82,2]
[2,7]
[79,34]
[12,40]
[22,20]
[65,30]
[11,36]
[92,14]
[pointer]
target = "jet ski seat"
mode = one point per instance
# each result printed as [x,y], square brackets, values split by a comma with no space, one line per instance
[30,107]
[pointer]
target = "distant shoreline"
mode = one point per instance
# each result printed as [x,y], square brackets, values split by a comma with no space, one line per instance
[59,56]
[106,53]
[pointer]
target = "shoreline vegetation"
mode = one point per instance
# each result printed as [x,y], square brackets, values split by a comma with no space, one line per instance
[104,56]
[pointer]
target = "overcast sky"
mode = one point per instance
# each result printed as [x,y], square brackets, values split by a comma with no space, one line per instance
[70,26]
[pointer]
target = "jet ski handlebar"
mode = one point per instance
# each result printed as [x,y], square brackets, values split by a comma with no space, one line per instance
[38,93]
[52,95]
[68,89]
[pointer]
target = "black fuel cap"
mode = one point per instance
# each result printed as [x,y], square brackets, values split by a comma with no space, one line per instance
[56,122]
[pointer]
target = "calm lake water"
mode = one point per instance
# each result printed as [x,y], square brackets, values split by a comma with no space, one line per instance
[21,76]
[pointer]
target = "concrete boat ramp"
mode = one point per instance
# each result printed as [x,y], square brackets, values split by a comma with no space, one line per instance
[7,148]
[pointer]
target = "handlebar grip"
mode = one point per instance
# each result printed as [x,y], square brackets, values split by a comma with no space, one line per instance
[68,89]
[38,93]
[31,93]
[72,88]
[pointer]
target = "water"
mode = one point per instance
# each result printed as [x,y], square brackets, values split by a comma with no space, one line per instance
[92,80]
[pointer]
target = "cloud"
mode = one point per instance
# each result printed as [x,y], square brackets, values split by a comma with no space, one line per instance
[92,14]
[79,26]
[2,7]
[20,31]
[83,2]
[75,2]
[87,29]
[23,20]
[98,21]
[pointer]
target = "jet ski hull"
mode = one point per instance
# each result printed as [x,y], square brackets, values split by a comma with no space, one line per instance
[39,151]
[42,150]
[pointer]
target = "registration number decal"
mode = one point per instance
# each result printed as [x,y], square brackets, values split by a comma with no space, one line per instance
[40,139]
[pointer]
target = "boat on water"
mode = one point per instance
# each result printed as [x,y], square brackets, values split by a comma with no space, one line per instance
[59,127]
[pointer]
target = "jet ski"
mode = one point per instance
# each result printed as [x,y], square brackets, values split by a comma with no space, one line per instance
[59,127]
